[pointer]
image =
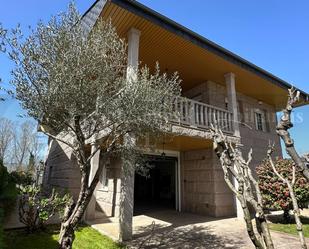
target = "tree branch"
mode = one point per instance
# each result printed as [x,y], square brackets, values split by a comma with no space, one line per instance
[283,127]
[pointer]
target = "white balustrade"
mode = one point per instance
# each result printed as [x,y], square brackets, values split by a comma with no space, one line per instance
[199,115]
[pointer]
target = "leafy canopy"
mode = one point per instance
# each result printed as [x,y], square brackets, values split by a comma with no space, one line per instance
[65,78]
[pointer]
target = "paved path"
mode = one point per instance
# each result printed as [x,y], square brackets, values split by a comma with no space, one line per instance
[173,230]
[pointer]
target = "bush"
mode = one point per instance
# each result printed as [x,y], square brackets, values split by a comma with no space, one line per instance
[1,229]
[22,177]
[36,207]
[275,193]
[8,191]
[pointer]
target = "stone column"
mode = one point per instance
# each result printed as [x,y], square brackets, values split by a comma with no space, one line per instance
[232,106]
[127,169]
[95,160]
[133,51]
[232,101]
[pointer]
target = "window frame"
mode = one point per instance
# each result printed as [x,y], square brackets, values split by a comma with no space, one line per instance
[262,125]
[103,178]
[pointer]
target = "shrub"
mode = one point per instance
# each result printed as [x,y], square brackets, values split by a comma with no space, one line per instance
[275,193]
[8,191]
[1,229]
[22,177]
[36,207]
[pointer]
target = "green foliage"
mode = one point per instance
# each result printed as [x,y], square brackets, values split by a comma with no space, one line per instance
[36,207]
[8,191]
[86,238]
[1,229]
[275,193]
[22,177]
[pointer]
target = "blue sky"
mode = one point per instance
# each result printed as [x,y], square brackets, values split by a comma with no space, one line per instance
[272,34]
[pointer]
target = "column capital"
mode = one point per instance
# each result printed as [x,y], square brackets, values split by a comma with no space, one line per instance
[229,75]
[134,31]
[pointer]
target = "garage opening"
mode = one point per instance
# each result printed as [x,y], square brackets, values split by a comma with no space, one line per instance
[158,190]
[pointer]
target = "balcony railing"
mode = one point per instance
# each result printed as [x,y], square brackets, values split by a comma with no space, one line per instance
[199,115]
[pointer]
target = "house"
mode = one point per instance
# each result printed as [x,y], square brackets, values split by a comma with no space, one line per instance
[217,84]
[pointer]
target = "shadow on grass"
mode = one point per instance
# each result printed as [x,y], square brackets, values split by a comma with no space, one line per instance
[278,219]
[19,239]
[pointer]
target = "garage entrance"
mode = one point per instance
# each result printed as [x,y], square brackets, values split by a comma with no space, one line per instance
[158,190]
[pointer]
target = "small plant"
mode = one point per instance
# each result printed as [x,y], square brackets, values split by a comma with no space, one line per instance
[276,195]
[36,207]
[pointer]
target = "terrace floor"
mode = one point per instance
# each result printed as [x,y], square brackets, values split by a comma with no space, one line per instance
[170,229]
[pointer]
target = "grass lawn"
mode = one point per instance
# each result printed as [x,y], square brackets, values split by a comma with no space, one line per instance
[86,238]
[289,228]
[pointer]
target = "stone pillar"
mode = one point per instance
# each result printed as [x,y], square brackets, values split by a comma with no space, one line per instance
[232,106]
[127,169]
[232,101]
[95,160]
[133,51]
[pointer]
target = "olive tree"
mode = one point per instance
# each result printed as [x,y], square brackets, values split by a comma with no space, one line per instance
[239,178]
[77,88]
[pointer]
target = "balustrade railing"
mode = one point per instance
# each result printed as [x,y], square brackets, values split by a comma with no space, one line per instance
[199,115]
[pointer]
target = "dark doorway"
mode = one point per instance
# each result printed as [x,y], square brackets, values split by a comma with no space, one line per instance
[157,190]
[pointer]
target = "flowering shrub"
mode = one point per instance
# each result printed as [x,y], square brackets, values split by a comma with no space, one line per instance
[275,193]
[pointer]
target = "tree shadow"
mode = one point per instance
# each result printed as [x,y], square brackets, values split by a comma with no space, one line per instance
[278,219]
[194,236]
[20,239]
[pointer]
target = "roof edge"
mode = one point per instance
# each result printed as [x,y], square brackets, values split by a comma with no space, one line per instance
[180,30]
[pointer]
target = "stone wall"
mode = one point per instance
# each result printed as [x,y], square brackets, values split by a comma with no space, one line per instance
[107,197]
[61,170]
[204,190]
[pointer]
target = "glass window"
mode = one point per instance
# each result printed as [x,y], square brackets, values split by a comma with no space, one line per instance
[259,121]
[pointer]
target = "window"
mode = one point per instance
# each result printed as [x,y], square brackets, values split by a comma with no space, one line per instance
[240,108]
[259,121]
[104,178]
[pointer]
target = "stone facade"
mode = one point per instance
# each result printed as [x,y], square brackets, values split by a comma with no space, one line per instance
[61,171]
[204,190]
[202,186]
[108,196]
[216,95]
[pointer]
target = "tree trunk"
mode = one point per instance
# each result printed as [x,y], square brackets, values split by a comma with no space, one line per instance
[262,224]
[69,225]
[76,211]
[286,216]
[250,230]
[66,236]
[299,224]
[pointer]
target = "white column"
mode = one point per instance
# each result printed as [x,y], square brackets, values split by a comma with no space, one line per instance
[133,51]
[232,100]
[232,106]
[95,160]
[127,170]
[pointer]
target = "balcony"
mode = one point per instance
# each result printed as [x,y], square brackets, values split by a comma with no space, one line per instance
[197,115]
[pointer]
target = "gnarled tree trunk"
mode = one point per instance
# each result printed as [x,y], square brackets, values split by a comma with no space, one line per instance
[75,211]
[248,191]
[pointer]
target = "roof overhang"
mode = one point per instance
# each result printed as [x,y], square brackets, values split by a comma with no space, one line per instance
[194,57]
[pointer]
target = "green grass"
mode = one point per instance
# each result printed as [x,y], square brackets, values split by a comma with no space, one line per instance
[289,228]
[86,238]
